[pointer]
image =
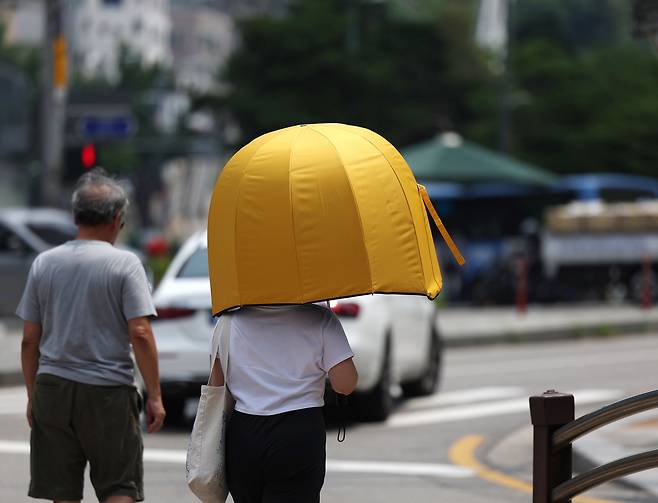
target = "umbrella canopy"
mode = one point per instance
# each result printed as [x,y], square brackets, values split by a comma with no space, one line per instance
[318,212]
[449,158]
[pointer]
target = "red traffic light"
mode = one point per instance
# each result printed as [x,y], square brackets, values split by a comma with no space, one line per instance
[88,156]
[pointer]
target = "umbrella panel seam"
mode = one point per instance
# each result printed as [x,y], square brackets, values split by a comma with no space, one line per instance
[237,210]
[411,217]
[300,287]
[354,201]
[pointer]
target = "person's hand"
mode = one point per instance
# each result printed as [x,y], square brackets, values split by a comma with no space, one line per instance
[155,414]
[28,413]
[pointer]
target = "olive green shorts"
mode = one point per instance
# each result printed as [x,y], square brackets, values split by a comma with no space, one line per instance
[75,423]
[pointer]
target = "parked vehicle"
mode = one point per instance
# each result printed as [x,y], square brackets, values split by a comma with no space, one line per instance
[393,337]
[24,233]
[498,227]
[603,250]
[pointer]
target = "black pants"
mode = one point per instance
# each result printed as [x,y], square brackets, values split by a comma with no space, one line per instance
[276,459]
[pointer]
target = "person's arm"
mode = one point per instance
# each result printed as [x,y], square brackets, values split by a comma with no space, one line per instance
[30,360]
[217,375]
[343,377]
[146,355]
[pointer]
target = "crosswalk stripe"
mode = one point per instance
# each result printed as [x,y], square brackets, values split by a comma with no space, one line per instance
[13,400]
[407,419]
[177,456]
[459,397]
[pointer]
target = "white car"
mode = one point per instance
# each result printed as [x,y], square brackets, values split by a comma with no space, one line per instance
[393,338]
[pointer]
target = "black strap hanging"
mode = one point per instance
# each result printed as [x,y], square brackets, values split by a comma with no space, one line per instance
[341,403]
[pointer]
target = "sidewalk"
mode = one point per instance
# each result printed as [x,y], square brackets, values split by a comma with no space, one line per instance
[624,438]
[467,326]
[617,440]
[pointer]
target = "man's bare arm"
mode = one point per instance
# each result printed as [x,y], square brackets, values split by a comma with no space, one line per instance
[146,354]
[30,360]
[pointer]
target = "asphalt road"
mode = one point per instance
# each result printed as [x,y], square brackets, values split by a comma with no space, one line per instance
[470,443]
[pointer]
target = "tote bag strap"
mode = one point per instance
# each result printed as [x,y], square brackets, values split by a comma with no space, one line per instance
[221,338]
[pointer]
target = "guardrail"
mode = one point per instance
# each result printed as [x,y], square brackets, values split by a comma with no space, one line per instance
[555,429]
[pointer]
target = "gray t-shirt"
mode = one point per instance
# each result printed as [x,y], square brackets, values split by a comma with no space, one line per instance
[83,293]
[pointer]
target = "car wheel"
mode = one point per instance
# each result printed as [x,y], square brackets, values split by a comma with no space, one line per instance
[376,405]
[428,382]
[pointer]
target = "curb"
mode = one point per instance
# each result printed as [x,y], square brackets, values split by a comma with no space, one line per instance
[548,335]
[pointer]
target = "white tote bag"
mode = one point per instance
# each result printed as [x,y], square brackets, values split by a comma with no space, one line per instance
[206,452]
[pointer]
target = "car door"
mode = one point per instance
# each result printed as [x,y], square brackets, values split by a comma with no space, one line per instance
[16,256]
[409,326]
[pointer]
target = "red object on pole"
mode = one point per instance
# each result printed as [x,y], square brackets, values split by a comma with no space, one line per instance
[522,285]
[88,156]
[647,283]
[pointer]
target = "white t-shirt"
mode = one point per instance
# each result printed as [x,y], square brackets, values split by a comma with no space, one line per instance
[279,357]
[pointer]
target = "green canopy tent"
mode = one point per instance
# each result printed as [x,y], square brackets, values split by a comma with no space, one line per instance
[448,158]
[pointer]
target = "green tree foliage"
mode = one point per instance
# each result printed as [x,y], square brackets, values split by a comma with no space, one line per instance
[573,24]
[27,59]
[355,62]
[593,112]
[589,92]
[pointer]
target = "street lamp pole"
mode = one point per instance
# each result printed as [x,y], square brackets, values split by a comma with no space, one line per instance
[53,102]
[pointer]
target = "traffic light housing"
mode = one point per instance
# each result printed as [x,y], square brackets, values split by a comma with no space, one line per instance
[78,160]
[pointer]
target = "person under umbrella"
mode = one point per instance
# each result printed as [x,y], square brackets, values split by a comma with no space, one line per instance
[300,216]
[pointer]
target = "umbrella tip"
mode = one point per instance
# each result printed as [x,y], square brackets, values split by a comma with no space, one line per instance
[450,139]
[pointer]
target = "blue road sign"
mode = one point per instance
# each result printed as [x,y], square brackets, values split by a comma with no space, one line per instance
[107,127]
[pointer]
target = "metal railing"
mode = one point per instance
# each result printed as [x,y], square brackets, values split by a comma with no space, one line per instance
[555,429]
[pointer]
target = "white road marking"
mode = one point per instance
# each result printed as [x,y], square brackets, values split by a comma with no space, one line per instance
[406,419]
[13,400]
[380,467]
[556,362]
[177,456]
[12,447]
[462,396]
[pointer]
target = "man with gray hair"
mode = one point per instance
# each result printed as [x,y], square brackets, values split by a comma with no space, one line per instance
[85,304]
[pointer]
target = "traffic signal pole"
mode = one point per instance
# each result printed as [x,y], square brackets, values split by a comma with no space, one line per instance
[53,103]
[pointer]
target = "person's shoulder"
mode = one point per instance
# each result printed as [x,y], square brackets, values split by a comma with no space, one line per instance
[51,254]
[318,311]
[127,255]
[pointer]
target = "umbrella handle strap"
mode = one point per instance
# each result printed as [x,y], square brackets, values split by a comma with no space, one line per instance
[439,224]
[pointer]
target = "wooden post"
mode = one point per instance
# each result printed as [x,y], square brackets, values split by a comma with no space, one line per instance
[550,468]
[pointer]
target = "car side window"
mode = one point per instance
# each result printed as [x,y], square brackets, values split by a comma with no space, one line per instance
[196,266]
[10,243]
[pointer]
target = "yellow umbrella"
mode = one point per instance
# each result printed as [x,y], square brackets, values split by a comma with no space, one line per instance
[317,212]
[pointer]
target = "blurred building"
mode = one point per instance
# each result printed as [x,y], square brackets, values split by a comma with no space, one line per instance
[98,29]
[204,34]
[23,22]
[203,38]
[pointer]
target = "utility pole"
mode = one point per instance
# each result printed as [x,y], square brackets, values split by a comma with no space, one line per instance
[53,102]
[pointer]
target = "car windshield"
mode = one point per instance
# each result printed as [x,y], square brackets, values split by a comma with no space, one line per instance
[196,266]
[53,235]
